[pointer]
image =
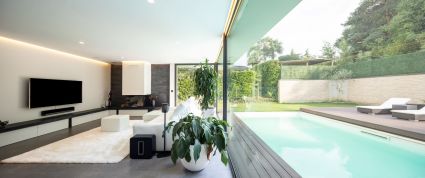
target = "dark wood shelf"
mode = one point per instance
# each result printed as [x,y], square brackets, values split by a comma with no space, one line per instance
[44,120]
[133,108]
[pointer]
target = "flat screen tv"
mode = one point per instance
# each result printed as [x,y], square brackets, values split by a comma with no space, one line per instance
[49,92]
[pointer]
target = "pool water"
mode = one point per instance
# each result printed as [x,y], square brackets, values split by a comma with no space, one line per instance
[320,147]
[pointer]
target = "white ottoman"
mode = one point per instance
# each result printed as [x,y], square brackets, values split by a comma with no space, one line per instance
[115,123]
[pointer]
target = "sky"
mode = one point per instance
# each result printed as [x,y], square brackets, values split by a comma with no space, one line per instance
[311,23]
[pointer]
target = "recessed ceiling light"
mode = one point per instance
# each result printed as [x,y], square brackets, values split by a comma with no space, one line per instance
[81,42]
[122,57]
[151,1]
[177,42]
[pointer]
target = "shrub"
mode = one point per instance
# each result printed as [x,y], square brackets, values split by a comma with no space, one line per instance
[185,83]
[241,84]
[270,75]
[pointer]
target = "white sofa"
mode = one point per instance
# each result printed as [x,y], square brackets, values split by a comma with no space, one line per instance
[156,126]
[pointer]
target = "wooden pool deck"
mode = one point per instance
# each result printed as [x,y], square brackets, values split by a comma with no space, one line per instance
[385,123]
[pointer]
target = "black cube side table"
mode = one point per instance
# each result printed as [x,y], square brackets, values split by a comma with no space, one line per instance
[142,146]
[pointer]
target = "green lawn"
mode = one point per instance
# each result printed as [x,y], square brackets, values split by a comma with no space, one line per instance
[273,106]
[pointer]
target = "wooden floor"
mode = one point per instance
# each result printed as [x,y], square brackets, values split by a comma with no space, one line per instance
[386,123]
[147,168]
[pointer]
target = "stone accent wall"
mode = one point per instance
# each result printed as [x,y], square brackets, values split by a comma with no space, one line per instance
[372,90]
[161,83]
[116,85]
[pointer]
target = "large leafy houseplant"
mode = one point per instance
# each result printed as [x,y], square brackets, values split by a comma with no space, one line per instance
[205,78]
[197,131]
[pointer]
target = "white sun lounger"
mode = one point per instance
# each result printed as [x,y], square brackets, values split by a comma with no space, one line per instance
[384,108]
[410,114]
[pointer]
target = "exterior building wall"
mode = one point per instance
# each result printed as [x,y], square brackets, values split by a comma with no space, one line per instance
[298,91]
[364,90]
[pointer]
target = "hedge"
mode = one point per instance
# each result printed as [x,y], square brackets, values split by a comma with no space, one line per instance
[305,72]
[413,63]
[270,74]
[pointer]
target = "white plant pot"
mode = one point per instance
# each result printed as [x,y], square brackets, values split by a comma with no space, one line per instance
[200,164]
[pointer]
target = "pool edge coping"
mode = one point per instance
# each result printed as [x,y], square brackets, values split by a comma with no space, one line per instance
[379,127]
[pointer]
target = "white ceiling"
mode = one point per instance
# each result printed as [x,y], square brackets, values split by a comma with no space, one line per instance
[166,31]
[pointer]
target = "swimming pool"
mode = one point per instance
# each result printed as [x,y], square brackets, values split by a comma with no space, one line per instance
[320,147]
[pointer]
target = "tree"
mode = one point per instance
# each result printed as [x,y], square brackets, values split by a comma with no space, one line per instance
[290,57]
[344,49]
[384,27]
[265,49]
[307,55]
[366,28]
[328,51]
[407,27]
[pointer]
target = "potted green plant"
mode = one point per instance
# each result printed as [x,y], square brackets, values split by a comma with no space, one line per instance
[196,138]
[205,83]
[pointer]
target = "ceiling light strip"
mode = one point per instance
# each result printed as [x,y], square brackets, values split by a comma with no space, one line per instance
[231,16]
[17,42]
[234,8]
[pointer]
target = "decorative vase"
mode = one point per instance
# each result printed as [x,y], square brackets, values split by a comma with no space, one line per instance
[200,164]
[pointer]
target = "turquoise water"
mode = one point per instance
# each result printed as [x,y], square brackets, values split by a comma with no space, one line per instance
[318,147]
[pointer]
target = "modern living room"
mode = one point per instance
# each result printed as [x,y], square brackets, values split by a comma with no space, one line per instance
[88,87]
[231,88]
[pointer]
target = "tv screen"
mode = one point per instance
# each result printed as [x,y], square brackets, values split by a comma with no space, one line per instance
[49,92]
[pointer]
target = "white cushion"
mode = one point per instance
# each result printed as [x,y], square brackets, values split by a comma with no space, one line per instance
[115,123]
[415,112]
[193,107]
[182,110]
[179,112]
[392,101]
[374,107]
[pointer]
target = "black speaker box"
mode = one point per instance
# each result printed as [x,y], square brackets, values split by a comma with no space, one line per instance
[142,146]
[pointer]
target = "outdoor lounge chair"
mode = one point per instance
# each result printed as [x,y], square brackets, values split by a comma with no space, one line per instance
[410,114]
[384,108]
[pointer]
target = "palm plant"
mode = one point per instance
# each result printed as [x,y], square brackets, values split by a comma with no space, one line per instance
[205,85]
[197,131]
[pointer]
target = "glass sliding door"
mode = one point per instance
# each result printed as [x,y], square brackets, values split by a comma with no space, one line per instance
[184,81]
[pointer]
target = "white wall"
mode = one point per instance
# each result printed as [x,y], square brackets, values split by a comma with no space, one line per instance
[172,87]
[371,90]
[20,61]
[379,89]
[296,91]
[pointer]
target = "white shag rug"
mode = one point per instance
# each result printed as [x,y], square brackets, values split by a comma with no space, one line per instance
[93,146]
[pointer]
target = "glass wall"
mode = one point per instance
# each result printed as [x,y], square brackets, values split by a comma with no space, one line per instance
[184,81]
[370,41]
